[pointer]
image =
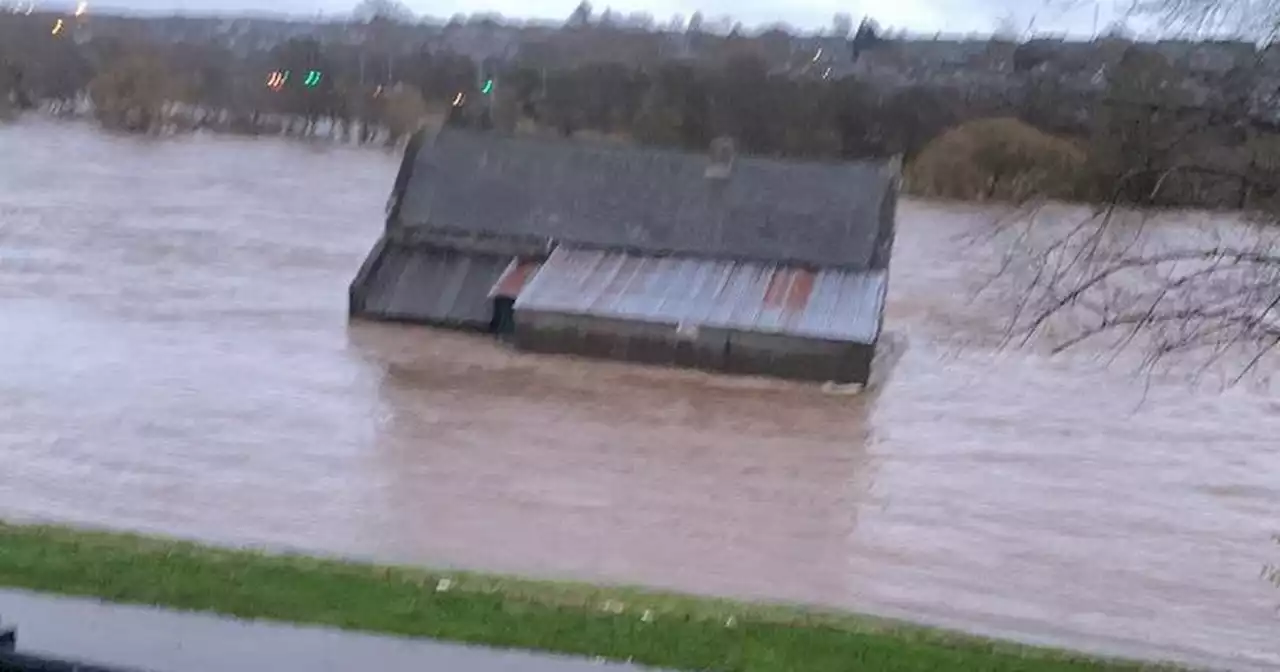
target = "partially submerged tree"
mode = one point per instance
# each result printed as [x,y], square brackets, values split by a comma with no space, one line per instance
[309,92]
[132,93]
[9,88]
[402,110]
[1139,125]
[996,159]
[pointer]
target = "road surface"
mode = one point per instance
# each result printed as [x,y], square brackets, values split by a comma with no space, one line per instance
[156,640]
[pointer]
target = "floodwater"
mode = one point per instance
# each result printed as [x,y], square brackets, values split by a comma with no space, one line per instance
[175,358]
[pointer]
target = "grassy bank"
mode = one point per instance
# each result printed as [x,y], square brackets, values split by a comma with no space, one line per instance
[659,629]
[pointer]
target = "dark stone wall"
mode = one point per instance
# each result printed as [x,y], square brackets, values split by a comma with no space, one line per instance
[358,291]
[709,349]
[887,228]
[799,358]
[407,163]
[470,241]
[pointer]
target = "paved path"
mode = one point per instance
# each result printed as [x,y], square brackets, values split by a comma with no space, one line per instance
[166,641]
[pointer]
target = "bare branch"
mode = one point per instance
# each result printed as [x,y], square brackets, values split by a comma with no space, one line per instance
[1253,18]
[1141,281]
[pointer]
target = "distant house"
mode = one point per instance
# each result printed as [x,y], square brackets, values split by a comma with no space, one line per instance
[721,262]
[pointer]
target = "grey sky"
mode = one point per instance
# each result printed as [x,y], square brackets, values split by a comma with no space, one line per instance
[917,16]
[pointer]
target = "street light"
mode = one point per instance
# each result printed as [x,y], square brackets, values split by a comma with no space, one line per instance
[277,79]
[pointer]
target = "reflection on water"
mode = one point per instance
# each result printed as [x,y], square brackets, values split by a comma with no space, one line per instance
[579,469]
[175,358]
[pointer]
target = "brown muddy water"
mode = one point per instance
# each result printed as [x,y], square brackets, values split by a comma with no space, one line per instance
[175,358]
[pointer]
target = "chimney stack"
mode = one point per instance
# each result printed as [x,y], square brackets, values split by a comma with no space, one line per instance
[722,155]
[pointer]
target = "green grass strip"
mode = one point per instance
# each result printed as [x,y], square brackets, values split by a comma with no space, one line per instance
[651,628]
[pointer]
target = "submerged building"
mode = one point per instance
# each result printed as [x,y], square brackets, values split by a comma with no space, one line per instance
[726,263]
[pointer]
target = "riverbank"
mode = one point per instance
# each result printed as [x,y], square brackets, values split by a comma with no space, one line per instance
[179,120]
[651,628]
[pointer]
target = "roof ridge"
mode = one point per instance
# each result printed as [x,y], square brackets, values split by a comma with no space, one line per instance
[650,198]
[599,147]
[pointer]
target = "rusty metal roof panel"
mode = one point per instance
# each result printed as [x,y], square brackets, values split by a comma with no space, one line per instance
[750,296]
[846,303]
[514,278]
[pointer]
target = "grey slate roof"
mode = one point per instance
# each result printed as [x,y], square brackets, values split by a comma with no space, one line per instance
[648,201]
[435,286]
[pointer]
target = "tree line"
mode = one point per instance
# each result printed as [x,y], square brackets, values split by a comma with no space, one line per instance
[1126,133]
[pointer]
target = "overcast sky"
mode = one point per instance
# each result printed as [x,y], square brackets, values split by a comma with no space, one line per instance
[921,16]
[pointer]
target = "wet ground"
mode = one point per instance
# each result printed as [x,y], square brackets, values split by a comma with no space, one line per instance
[175,358]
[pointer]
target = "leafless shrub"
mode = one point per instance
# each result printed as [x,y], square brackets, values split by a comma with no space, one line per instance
[131,93]
[996,159]
[1256,18]
[1134,279]
[402,111]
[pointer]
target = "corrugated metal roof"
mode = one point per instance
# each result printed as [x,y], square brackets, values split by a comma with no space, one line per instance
[827,304]
[513,280]
[435,286]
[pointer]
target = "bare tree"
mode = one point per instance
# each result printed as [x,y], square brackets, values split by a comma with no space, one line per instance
[1199,287]
[10,87]
[1252,18]
[402,111]
[384,10]
[1006,28]
[581,16]
[132,92]
[842,25]
[695,23]
[1140,125]
[309,91]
